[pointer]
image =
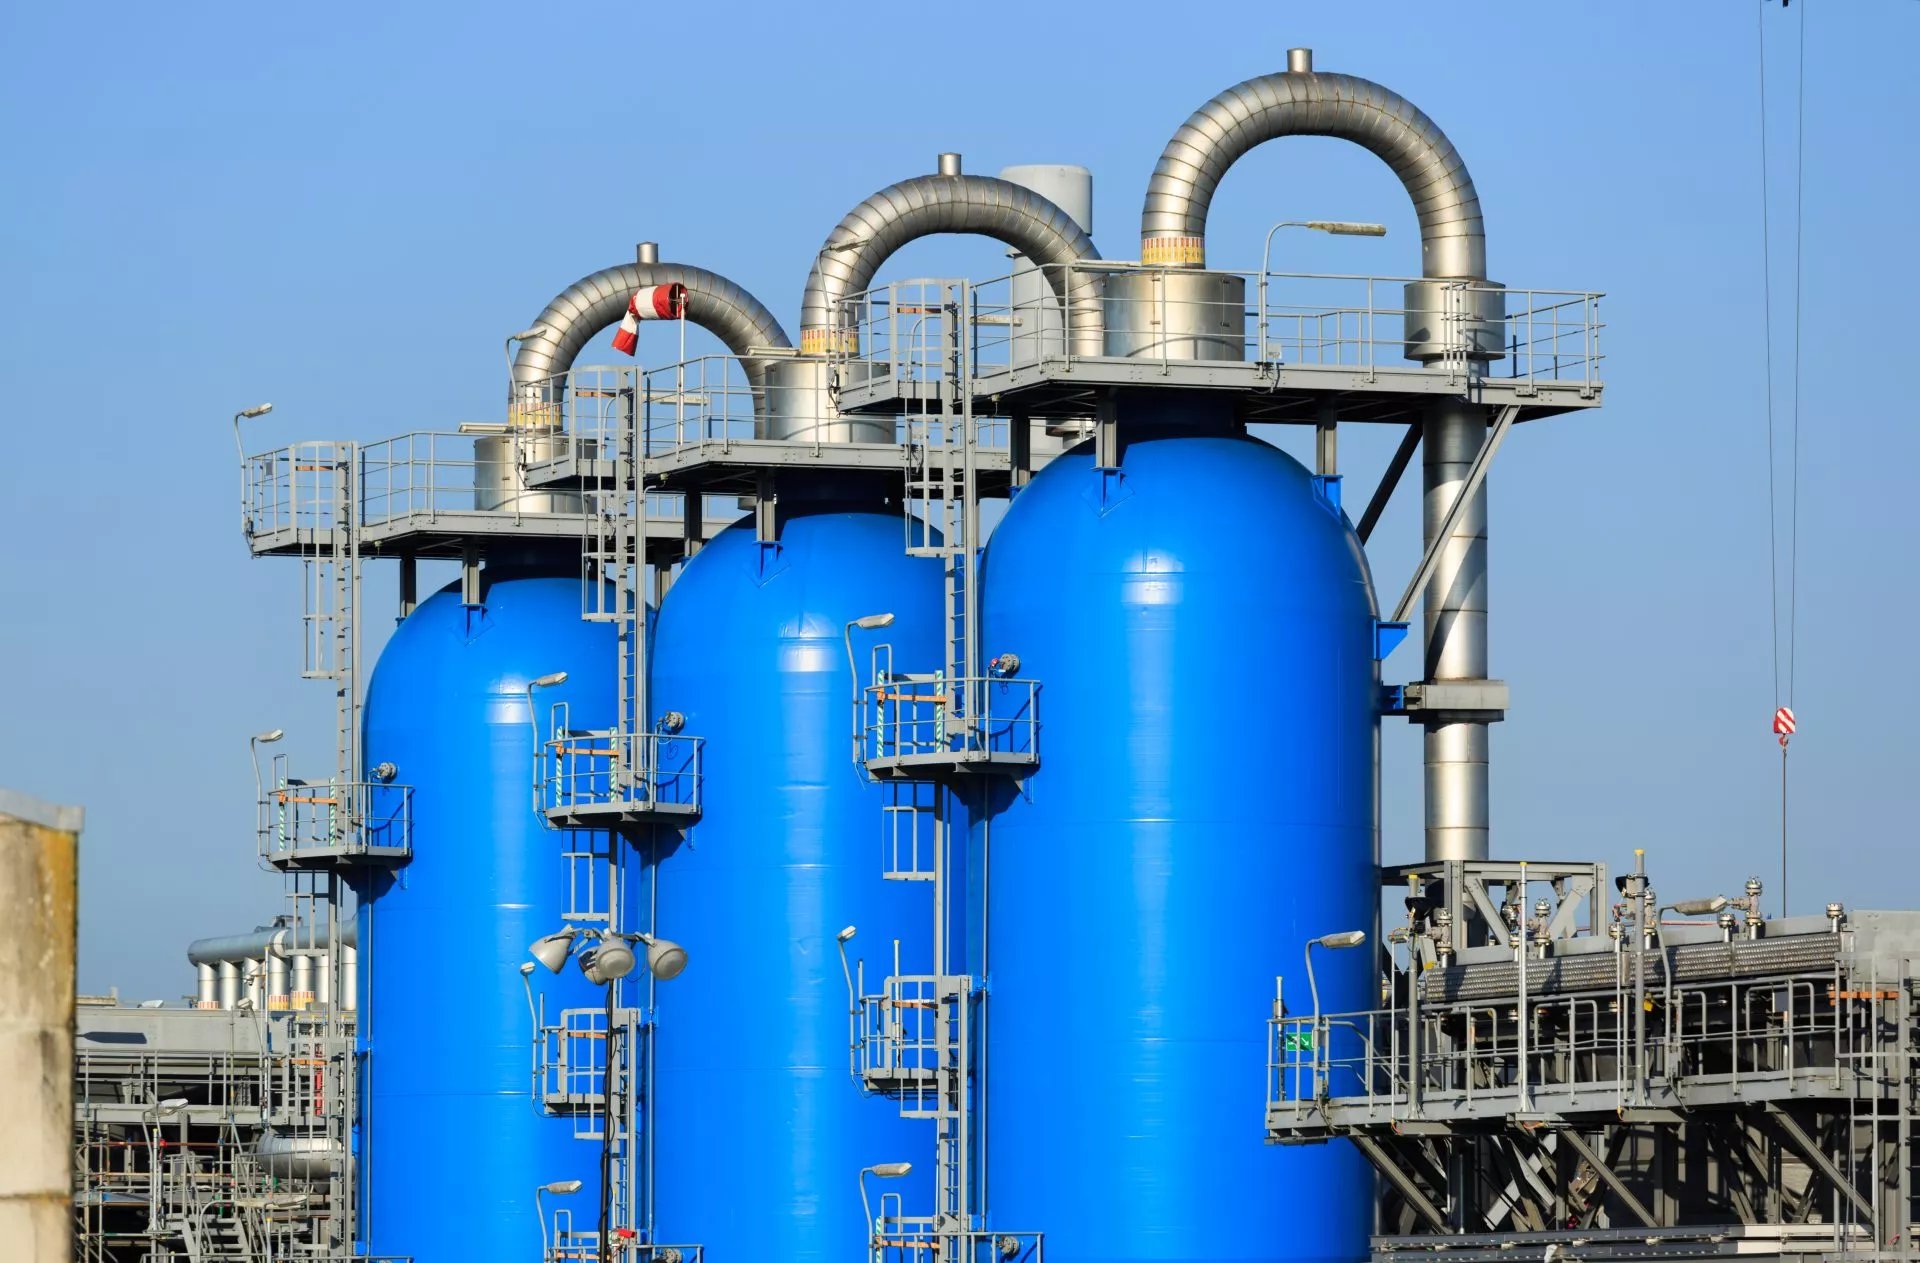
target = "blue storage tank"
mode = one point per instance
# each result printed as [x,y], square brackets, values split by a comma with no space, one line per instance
[447,1099]
[1201,624]
[759,1132]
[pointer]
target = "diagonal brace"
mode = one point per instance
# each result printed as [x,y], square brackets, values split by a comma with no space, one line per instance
[1575,1141]
[1476,477]
[1402,1182]
[1803,1144]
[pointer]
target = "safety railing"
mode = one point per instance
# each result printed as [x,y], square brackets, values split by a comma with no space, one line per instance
[905,1035]
[921,716]
[568,1244]
[894,1237]
[1266,318]
[312,820]
[586,768]
[1809,1032]
[296,488]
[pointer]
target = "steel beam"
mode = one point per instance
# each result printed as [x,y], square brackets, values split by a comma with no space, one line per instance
[1572,1138]
[1402,1182]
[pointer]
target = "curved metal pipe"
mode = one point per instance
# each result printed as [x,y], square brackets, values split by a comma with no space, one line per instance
[1302,102]
[952,202]
[597,302]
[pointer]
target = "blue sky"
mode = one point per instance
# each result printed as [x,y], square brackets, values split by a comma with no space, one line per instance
[344,209]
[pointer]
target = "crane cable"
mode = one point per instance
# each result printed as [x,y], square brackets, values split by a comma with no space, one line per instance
[1784,721]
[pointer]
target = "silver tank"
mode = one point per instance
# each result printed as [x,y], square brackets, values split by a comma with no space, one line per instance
[1176,315]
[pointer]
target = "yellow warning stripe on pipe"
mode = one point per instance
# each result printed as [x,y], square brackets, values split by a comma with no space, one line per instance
[1174,251]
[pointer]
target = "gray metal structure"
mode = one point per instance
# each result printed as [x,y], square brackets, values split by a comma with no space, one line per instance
[1592,1080]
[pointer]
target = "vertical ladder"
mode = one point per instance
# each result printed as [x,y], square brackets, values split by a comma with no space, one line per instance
[613,584]
[943,494]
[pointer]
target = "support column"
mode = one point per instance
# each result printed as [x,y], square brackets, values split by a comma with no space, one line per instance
[1456,632]
[38,845]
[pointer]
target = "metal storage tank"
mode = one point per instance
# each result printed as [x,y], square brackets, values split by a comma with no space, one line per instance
[1202,625]
[448,1069]
[758,1134]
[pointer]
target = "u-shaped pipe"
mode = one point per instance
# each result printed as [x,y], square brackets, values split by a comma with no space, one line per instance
[950,201]
[1304,102]
[595,303]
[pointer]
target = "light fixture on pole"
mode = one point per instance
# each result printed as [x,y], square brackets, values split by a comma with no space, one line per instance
[1332,942]
[254,743]
[841,940]
[553,949]
[882,1171]
[550,680]
[1333,227]
[559,1188]
[246,414]
[525,335]
[866,622]
[608,955]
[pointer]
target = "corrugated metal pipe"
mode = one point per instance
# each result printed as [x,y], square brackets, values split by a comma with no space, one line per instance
[1304,102]
[594,303]
[950,201]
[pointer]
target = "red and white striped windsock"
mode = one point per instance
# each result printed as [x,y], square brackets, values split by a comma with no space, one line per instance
[653,302]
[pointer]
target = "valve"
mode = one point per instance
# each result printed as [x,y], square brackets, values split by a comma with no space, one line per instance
[384,772]
[672,721]
[1004,665]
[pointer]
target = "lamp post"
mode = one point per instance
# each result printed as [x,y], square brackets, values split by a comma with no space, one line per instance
[867,622]
[1332,942]
[154,1113]
[551,680]
[246,414]
[559,1188]
[1333,227]
[882,1171]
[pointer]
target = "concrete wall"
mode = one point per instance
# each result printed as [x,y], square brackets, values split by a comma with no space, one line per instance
[37,908]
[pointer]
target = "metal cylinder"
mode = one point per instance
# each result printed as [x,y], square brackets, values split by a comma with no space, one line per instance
[499,472]
[278,1001]
[646,253]
[323,966]
[350,979]
[800,404]
[250,977]
[1299,61]
[947,164]
[1038,329]
[1455,320]
[229,979]
[300,994]
[208,993]
[38,851]
[1455,616]
[1177,315]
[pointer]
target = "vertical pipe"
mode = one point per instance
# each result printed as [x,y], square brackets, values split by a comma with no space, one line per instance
[229,976]
[323,977]
[301,992]
[250,973]
[38,845]
[207,994]
[1456,632]
[349,978]
[277,998]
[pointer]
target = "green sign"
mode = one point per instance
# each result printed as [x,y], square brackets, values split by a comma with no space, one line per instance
[1297,1041]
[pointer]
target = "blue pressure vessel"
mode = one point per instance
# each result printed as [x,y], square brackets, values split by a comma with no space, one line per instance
[448,1086]
[1201,623]
[759,1132]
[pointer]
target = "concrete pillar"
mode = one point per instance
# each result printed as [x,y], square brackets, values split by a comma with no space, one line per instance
[38,845]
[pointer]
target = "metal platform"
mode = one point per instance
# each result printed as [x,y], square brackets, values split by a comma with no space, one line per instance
[1721,1083]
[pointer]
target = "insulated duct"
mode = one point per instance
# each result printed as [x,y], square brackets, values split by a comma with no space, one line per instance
[945,202]
[1301,102]
[274,940]
[1453,314]
[597,302]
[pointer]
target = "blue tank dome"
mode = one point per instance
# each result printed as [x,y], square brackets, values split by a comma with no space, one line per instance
[447,1033]
[761,1131]
[1201,624]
